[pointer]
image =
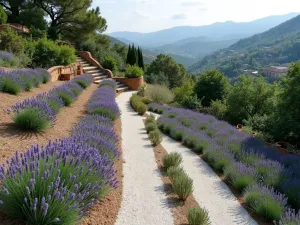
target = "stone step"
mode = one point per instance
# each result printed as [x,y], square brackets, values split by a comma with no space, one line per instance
[100,78]
[98,74]
[88,68]
[122,89]
[92,71]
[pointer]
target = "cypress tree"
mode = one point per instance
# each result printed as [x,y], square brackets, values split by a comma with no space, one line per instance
[134,56]
[140,58]
[128,55]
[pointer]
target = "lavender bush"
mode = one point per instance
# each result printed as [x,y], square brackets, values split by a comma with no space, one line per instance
[244,159]
[39,113]
[110,82]
[85,81]
[289,218]
[7,59]
[17,81]
[57,183]
[103,103]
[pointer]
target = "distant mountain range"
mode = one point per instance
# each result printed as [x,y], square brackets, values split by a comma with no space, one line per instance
[276,46]
[222,31]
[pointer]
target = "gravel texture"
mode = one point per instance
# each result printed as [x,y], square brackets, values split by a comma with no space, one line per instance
[209,190]
[143,200]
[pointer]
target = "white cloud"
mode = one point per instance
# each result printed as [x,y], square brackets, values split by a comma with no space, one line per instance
[191,3]
[140,14]
[180,16]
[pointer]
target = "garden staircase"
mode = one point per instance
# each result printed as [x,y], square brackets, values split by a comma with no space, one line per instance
[98,74]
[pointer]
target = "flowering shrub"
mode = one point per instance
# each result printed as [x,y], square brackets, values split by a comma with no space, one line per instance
[109,82]
[55,183]
[39,113]
[85,81]
[244,159]
[103,103]
[266,201]
[289,218]
[7,59]
[17,81]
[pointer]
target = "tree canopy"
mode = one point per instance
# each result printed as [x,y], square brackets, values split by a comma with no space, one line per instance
[211,85]
[165,65]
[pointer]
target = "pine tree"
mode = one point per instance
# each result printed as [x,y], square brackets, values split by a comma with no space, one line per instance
[128,55]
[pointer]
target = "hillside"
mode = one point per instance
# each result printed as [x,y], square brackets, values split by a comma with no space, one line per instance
[276,46]
[195,47]
[223,30]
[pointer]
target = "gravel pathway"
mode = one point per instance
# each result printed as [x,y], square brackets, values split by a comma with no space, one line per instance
[144,201]
[209,190]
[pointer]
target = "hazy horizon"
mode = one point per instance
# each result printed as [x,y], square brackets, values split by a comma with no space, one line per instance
[153,15]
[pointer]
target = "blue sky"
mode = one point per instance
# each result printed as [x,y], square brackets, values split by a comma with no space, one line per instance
[153,15]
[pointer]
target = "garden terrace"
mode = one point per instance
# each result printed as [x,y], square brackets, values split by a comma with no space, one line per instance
[63,179]
[246,162]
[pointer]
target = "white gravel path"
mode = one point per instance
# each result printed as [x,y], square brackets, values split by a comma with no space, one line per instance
[209,190]
[144,201]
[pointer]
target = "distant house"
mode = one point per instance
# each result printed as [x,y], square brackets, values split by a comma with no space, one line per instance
[251,72]
[275,72]
[17,27]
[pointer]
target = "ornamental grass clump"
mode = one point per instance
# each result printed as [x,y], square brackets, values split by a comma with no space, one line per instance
[57,183]
[150,119]
[33,114]
[141,108]
[155,137]
[151,126]
[265,201]
[172,159]
[103,103]
[198,216]
[182,186]
[174,171]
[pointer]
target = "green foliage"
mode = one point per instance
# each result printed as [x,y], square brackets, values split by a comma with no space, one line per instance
[110,63]
[9,86]
[150,127]
[3,16]
[11,41]
[150,119]
[212,85]
[286,123]
[132,56]
[29,119]
[182,186]
[46,54]
[175,171]
[140,58]
[141,108]
[67,99]
[198,216]
[218,109]
[172,159]
[159,94]
[166,67]
[146,100]
[155,137]
[135,100]
[250,97]
[133,71]
[184,93]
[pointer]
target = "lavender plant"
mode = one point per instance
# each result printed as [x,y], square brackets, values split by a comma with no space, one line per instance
[110,82]
[289,218]
[57,183]
[266,201]
[85,81]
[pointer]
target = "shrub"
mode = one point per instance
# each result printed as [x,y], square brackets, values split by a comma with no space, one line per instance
[198,216]
[159,94]
[146,100]
[11,41]
[133,71]
[174,171]
[201,146]
[150,127]
[110,63]
[103,103]
[3,16]
[182,186]
[109,82]
[150,119]
[155,137]
[57,183]
[172,159]
[241,176]
[218,109]
[141,90]
[176,134]
[33,114]
[135,101]
[7,59]
[141,108]
[291,189]
[265,201]
[84,82]
[9,85]
[66,55]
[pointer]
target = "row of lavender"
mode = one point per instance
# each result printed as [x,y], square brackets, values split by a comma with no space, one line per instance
[39,112]
[270,183]
[17,81]
[58,183]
